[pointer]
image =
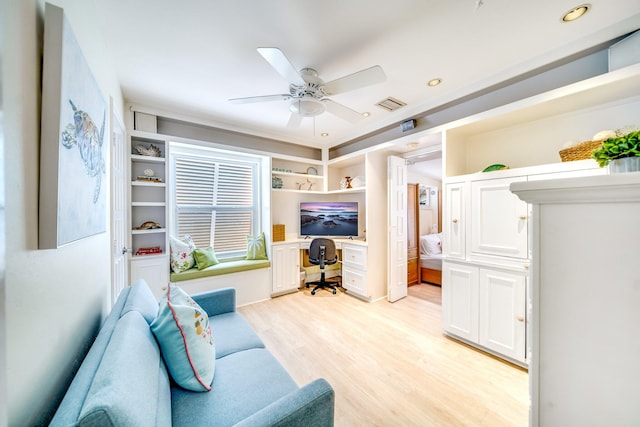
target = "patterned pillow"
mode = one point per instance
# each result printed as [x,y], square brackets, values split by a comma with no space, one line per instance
[256,247]
[182,253]
[186,342]
[205,257]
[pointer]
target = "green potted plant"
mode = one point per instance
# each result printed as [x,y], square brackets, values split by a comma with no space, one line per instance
[620,152]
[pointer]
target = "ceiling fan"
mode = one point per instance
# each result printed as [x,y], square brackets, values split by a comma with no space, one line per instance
[308,93]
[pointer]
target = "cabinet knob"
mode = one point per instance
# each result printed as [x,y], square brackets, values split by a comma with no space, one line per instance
[523,217]
[520,318]
[455,221]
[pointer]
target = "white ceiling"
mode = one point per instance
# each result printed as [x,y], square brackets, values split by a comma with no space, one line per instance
[191,57]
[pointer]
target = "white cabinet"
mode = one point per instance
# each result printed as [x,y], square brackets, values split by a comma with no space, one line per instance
[585,298]
[354,269]
[285,268]
[486,307]
[460,300]
[498,219]
[454,220]
[148,210]
[502,312]
[154,269]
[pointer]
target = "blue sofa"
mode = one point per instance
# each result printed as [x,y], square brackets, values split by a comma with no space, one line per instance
[123,380]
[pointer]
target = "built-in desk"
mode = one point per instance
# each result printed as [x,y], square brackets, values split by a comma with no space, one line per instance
[352,262]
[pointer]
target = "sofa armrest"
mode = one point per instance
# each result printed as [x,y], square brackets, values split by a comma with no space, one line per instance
[218,301]
[310,406]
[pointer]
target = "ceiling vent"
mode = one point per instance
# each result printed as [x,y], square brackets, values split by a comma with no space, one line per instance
[390,104]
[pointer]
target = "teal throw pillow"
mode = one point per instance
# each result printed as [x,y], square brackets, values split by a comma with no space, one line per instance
[205,257]
[186,342]
[256,247]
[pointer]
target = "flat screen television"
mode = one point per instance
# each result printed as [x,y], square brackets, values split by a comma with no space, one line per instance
[331,219]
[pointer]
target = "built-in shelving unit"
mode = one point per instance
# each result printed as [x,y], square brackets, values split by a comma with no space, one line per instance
[148,203]
[531,132]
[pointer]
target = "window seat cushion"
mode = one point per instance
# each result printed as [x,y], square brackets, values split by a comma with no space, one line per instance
[223,267]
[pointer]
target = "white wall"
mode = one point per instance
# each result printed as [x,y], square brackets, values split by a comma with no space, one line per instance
[55,299]
[428,215]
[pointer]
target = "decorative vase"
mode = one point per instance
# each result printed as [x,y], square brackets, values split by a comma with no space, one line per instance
[276,182]
[626,164]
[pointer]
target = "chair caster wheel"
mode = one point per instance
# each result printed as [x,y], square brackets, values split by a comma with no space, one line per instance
[334,291]
[313,292]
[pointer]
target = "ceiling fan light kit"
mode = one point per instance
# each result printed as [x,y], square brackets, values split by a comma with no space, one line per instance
[308,93]
[307,106]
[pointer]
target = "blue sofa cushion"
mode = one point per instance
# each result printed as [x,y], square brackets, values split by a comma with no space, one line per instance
[245,382]
[131,385]
[233,334]
[142,300]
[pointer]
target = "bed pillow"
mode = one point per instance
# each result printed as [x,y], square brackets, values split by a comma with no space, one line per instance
[430,244]
[205,257]
[185,339]
[256,247]
[182,253]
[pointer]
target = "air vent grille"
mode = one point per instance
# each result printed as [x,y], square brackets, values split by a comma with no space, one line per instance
[390,104]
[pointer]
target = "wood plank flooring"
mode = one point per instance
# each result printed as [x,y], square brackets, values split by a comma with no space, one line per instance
[390,364]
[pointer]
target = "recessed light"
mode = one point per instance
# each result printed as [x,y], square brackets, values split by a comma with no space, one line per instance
[323,134]
[366,114]
[576,12]
[434,82]
[413,145]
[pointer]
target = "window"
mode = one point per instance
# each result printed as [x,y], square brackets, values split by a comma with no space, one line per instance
[215,197]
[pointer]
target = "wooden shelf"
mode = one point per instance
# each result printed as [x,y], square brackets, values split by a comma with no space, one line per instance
[146,159]
[148,184]
[149,231]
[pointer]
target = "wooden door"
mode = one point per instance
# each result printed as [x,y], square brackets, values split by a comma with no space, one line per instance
[413,235]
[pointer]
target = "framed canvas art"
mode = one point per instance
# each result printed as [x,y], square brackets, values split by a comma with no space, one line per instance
[73,202]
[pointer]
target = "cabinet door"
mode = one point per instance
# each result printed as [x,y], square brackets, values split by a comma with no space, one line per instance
[285,267]
[498,219]
[354,256]
[353,280]
[460,300]
[454,220]
[502,312]
[154,269]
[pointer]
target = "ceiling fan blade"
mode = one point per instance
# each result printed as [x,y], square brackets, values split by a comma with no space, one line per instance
[294,121]
[356,80]
[342,111]
[263,98]
[282,65]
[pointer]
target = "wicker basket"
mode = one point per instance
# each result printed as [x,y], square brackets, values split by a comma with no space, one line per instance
[278,233]
[581,151]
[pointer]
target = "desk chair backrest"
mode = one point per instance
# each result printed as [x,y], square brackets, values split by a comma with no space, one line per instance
[322,252]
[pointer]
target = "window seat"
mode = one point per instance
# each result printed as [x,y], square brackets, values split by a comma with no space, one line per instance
[223,267]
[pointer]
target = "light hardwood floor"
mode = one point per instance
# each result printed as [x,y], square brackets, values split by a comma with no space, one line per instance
[389,364]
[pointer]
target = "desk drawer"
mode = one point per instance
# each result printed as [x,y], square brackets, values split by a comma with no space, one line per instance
[354,280]
[354,256]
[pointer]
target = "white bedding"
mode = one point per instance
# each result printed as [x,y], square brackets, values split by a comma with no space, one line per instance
[434,262]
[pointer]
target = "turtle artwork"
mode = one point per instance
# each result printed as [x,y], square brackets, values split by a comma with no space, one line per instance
[84,134]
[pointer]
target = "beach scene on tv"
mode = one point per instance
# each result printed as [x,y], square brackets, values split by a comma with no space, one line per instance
[329,219]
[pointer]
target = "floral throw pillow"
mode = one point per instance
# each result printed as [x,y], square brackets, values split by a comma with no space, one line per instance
[182,253]
[184,335]
[256,247]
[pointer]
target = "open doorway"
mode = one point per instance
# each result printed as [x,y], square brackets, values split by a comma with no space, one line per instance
[424,175]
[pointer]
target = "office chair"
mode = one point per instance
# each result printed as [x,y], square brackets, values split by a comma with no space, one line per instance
[322,252]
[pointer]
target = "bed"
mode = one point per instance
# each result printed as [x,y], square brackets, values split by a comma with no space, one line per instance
[431,258]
